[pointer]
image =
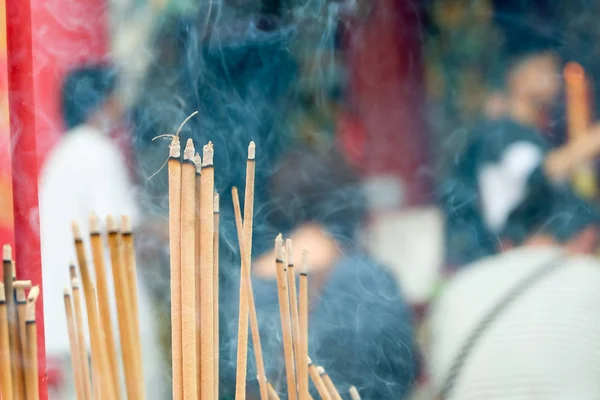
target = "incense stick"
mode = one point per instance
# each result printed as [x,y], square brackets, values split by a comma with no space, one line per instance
[7,272]
[100,364]
[125,308]
[188,273]
[216,290]
[329,384]
[291,277]
[198,162]
[303,328]
[82,362]
[131,271]
[354,393]
[73,345]
[174,168]
[317,381]
[9,276]
[207,340]
[258,355]
[21,303]
[286,323]
[31,353]
[6,384]
[272,393]
[103,297]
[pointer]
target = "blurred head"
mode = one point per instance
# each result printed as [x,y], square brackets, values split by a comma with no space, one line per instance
[316,187]
[88,97]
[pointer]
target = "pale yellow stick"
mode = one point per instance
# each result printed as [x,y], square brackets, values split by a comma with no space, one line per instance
[216,291]
[174,167]
[188,273]
[124,309]
[131,270]
[354,393]
[317,381]
[103,384]
[7,272]
[103,299]
[21,302]
[6,385]
[329,384]
[258,355]
[198,162]
[303,335]
[74,346]
[9,276]
[272,393]
[207,340]
[291,276]
[286,323]
[82,362]
[31,353]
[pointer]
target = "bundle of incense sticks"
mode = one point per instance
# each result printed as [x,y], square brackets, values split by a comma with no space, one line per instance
[18,334]
[101,379]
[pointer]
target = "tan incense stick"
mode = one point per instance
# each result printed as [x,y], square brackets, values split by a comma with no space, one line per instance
[21,302]
[82,362]
[103,297]
[198,162]
[303,328]
[73,345]
[6,384]
[272,393]
[329,384]
[354,393]
[174,167]
[317,381]
[216,290]
[207,340]
[291,277]
[286,323]
[31,353]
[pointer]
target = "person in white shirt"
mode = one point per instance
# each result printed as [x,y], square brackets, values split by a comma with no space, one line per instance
[85,173]
[524,324]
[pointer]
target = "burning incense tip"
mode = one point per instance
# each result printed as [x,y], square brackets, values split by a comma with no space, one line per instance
[2,293]
[94,224]
[252,151]
[76,230]
[34,293]
[72,271]
[216,202]
[279,247]
[22,285]
[66,292]
[30,312]
[198,162]
[309,361]
[175,148]
[354,393]
[304,267]
[321,370]
[111,224]
[7,252]
[126,226]
[189,152]
[75,283]
[208,153]
[288,246]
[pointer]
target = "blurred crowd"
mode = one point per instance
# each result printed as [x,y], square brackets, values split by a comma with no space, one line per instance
[486,290]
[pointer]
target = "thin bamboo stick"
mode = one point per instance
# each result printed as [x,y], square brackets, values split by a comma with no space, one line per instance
[272,392]
[354,393]
[303,322]
[6,384]
[286,323]
[9,276]
[21,303]
[198,162]
[82,362]
[216,290]
[104,299]
[335,394]
[73,345]
[33,392]
[207,340]
[317,381]
[258,354]
[291,277]
[174,167]
[7,272]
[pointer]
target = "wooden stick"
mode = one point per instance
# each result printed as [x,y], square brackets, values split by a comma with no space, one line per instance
[134,317]
[103,384]
[578,110]
[124,310]
[291,277]
[286,323]
[303,328]
[21,303]
[207,340]
[335,394]
[9,277]
[174,167]
[216,290]
[317,381]
[198,162]
[188,273]
[354,393]
[258,355]
[74,346]
[7,272]
[272,393]
[104,299]
[31,353]
[6,384]
[82,362]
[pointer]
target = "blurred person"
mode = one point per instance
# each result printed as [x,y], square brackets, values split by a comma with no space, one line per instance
[86,173]
[508,155]
[523,324]
[360,327]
